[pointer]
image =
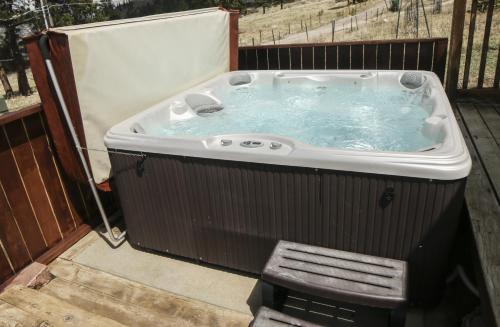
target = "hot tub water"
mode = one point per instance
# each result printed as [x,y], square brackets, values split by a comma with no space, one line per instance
[380,118]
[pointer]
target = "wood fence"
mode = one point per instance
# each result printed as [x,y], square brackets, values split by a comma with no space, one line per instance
[456,50]
[415,54]
[42,211]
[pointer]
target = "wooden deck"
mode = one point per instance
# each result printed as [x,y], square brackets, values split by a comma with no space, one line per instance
[479,118]
[82,296]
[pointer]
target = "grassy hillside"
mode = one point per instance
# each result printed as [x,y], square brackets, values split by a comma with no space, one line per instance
[369,26]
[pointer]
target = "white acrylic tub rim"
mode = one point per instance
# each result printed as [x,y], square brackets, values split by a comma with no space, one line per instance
[450,159]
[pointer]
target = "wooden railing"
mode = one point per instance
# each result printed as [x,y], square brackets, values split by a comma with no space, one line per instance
[42,211]
[456,51]
[417,54]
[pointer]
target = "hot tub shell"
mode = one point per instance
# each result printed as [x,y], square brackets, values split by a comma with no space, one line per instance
[229,205]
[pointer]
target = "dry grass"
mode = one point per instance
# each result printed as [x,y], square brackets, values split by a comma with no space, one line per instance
[383,28]
[313,13]
[19,101]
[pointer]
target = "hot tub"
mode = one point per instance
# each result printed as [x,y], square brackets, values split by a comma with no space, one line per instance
[365,161]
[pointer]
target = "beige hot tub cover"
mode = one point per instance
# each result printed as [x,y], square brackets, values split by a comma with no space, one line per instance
[123,67]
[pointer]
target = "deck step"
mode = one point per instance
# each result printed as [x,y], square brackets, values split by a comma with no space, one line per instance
[270,318]
[13,316]
[105,305]
[187,312]
[52,310]
[338,275]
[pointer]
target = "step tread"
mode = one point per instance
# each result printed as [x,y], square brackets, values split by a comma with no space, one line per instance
[53,310]
[13,316]
[106,305]
[158,301]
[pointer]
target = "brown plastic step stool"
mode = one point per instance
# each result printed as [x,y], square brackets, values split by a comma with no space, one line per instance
[371,289]
[271,318]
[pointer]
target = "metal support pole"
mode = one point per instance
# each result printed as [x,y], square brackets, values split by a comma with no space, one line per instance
[44,45]
[42,6]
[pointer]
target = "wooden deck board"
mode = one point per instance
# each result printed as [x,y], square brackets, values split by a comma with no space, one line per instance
[187,311]
[82,296]
[105,305]
[491,118]
[483,141]
[52,310]
[12,316]
[479,125]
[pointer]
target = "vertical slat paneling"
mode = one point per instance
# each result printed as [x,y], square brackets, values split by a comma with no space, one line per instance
[370,56]
[48,170]
[357,56]
[5,269]
[10,235]
[425,56]
[397,55]
[284,56]
[273,56]
[233,213]
[242,59]
[344,57]
[262,62]
[331,57]
[296,58]
[439,61]
[34,187]
[319,57]
[251,59]
[307,58]
[422,54]
[36,210]
[411,56]
[18,199]
[383,56]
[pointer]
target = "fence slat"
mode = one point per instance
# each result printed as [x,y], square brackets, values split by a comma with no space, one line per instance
[242,59]
[251,59]
[50,176]
[307,58]
[5,270]
[470,43]
[35,188]
[357,56]
[370,56]
[11,236]
[496,82]
[262,63]
[397,53]
[331,57]
[345,57]
[319,57]
[383,56]
[296,58]
[486,44]
[439,60]
[284,55]
[411,56]
[18,199]
[272,55]
[425,56]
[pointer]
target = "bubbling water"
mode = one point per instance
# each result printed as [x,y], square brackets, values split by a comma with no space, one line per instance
[344,117]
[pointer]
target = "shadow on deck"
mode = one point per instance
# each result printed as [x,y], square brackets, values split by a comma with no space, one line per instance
[479,119]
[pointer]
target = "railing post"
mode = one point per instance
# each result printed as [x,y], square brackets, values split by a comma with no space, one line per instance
[234,15]
[456,35]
